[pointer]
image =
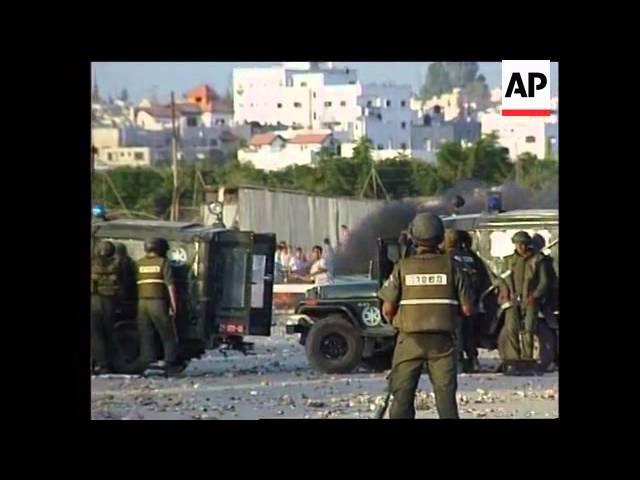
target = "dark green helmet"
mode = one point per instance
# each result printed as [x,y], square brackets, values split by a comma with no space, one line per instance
[427,228]
[521,237]
[156,245]
[106,249]
[121,249]
[538,242]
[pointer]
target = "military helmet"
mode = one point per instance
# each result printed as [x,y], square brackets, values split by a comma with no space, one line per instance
[156,245]
[121,249]
[521,237]
[427,228]
[538,242]
[106,249]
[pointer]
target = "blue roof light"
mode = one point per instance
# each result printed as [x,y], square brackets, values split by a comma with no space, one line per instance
[98,211]
[494,201]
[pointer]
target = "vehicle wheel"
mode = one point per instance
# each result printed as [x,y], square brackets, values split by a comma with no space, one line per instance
[334,345]
[379,361]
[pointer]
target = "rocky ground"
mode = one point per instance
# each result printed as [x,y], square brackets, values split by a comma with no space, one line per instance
[276,382]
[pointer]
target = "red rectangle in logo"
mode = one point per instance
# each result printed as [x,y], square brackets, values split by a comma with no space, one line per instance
[526,113]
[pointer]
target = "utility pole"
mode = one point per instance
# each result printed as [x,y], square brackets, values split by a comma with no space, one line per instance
[175,207]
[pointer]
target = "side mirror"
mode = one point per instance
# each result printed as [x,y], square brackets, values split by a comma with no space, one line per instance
[216,209]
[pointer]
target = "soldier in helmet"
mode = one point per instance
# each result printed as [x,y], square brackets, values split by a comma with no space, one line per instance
[157,305]
[480,280]
[523,289]
[104,301]
[549,302]
[457,244]
[425,290]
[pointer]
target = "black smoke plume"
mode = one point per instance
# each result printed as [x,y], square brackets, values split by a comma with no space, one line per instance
[394,217]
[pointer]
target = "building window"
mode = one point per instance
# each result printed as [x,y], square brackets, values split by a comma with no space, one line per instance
[530,139]
[192,122]
[297,105]
[220,121]
[109,156]
[369,103]
[138,156]
[279,105]
[403,146]
[343,103]
[213,142]
[388,103]
[327,104]
[379,116]
[314,94]
[403,103]
[198,99]
[121,154]
[315,116]
[403,125]
[303,84]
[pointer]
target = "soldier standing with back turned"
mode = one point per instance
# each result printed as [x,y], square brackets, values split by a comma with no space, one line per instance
[426,291]
[157,305]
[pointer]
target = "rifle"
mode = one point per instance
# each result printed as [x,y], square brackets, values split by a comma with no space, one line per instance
[382,408]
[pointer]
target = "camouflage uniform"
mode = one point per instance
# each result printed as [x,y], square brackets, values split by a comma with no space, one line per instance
[526,286]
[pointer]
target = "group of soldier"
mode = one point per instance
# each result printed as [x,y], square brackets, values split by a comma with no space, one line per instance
[121,287]
[434,296]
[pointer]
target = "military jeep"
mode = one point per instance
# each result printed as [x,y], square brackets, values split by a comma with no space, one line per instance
[340,324]
[223,279]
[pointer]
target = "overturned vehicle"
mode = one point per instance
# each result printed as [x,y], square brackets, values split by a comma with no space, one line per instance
[341,325]
[223,280]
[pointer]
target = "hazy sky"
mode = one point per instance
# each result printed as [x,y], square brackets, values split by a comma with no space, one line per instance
[140,78]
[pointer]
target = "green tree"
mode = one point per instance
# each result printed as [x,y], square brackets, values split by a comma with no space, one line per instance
[451,161]
[487,160]
[437,81]
[461,74]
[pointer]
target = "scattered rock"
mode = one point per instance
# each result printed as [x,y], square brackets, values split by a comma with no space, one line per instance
[315,403]
[280,412]
[253,393]
[481,391]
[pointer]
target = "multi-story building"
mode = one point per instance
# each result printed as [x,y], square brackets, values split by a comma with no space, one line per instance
[433,131]
[536,135]
[316,95]
[214,112]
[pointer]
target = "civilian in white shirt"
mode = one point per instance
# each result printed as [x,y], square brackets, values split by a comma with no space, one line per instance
[320,273]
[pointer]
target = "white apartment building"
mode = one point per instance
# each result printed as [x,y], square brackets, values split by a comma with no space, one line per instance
[536,135]
[274,151]
[316,95]
[387,116]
